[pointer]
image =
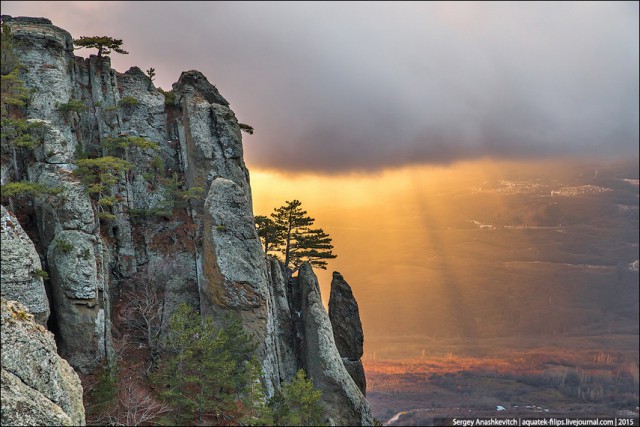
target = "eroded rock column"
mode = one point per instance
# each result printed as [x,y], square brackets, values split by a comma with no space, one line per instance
[347,329]
[342,400]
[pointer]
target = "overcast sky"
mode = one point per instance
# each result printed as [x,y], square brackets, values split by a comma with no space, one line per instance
[336,87]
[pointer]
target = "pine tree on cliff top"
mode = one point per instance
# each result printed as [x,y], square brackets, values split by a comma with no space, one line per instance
[104,44]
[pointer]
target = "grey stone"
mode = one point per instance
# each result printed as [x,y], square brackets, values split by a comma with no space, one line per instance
[342,400]
[345,319]
[234,271]
[38,386]
[79,279]
[72,210]
[213,245]
[46,53]
[20,261]
[77,300]
[209,136]
[195,81]
[355,368]
[281,364]
[347,328]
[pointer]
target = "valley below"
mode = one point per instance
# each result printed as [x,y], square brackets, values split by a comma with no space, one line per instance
[506,378]
[518,297]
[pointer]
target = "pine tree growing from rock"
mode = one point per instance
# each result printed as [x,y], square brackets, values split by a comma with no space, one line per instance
[289,232]
[104,44]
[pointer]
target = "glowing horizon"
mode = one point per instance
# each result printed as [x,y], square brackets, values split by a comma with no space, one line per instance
[403,235]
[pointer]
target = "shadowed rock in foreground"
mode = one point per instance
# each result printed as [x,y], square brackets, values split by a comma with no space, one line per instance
[38,386]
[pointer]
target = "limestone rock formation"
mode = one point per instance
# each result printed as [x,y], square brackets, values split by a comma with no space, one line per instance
[182,212]
[20,267]
[342,400]
[234,274]
[281,333]
[347,328]
[78,277]
[38,386]
[209,135]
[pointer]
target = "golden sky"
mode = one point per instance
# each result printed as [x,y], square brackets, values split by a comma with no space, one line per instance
[410,241]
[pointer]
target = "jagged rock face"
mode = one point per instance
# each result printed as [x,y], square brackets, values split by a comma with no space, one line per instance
[355,368]
[19,262]
[342,400]
[347,328]
[210,251]
[345,319]
[281,336]
[195,82]
[78,298]
[46,52]
[38,386]
[78,277]
[210,139]
[234,271]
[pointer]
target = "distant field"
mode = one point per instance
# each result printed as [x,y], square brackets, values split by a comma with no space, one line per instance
[522,294]
[570,377]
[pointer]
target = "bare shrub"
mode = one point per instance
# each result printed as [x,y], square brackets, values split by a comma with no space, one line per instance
[144,303]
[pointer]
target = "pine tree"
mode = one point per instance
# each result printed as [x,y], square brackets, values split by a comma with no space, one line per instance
[104,44]
[314,245]
[210,371]
[270,234]
[290,233]
[255,410]
[198,372]
[98,175]
[297,403]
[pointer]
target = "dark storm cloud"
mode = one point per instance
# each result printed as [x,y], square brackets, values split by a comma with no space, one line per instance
[336,87]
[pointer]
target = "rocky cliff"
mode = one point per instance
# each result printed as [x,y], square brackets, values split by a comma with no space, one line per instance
[184,204]
[38,386]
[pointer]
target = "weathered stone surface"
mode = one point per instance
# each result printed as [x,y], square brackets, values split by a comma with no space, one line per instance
[209,136]
[71,211]
[280,364]
[355,368]
[148,118]
[78,298]
[38,386]
[78,279]
[234,271]
[46,53]
[20,261]
[345,319]
[25,406]
[347,328]
[55,148]
[195,82]
[72,262]
[213,245]
[342,400]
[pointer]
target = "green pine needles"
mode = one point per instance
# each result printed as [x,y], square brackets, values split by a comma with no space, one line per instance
[98,176]
[297,403]
[289,233]
[28,189]
[210,374]
[206,369]
[104,44]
